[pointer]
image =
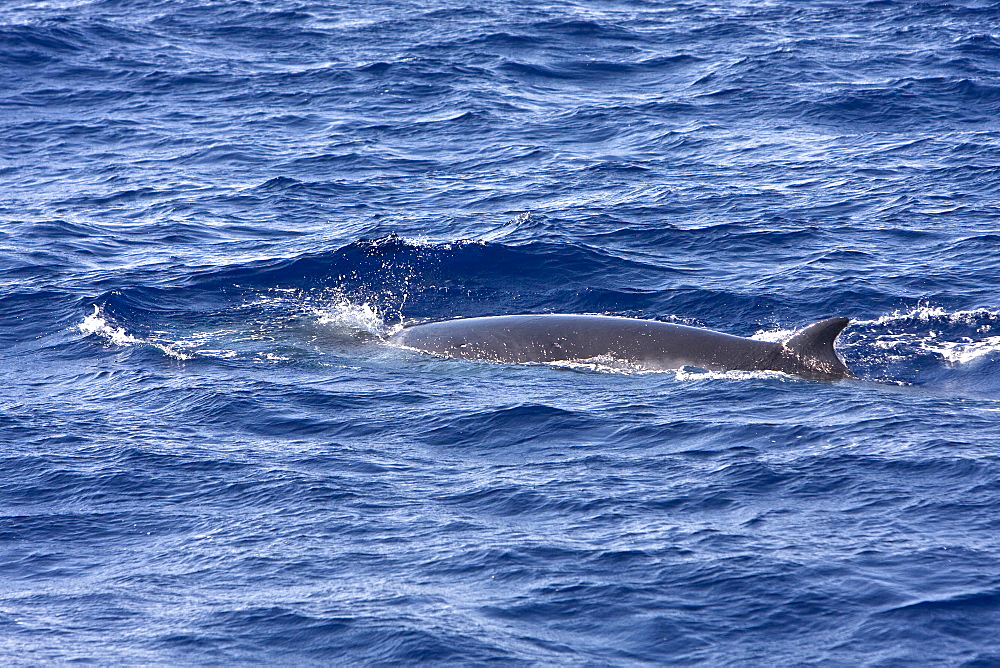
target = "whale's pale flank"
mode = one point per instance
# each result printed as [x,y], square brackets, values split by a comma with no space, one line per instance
[647,344]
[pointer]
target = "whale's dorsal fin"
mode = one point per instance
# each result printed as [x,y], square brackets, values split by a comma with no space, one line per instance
[813,346]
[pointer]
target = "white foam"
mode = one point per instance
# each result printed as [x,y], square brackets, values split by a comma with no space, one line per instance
[511,226]
[218,354]
[963,352]
[96,324]
[930,313]
[688,374]
[608,364]
[345,314]
[773,336]
[600,364]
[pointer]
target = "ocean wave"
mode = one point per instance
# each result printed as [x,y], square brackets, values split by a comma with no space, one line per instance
[97,325]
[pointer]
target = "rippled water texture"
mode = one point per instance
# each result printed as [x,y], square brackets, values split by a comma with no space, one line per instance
[213,215]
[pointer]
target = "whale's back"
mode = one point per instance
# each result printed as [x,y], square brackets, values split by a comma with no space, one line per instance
[554,338]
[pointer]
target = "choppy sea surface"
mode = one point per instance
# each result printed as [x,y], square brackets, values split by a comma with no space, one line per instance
[213,214]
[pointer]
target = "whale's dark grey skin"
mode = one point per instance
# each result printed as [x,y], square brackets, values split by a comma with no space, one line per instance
[645,343]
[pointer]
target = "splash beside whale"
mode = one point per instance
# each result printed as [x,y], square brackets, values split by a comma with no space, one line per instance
[647,344]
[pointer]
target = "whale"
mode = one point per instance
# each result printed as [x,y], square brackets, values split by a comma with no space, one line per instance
[642,344]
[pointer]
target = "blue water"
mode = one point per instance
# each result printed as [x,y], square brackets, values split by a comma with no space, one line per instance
[214,213]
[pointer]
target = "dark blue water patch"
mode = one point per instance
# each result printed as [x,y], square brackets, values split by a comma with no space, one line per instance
[31,315]
[344,637]
[45,37]
[70,528]
[507,427]
[907,101]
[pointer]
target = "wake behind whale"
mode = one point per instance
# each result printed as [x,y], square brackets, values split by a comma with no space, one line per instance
[648,344]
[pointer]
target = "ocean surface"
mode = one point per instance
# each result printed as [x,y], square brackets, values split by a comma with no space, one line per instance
[213,214]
